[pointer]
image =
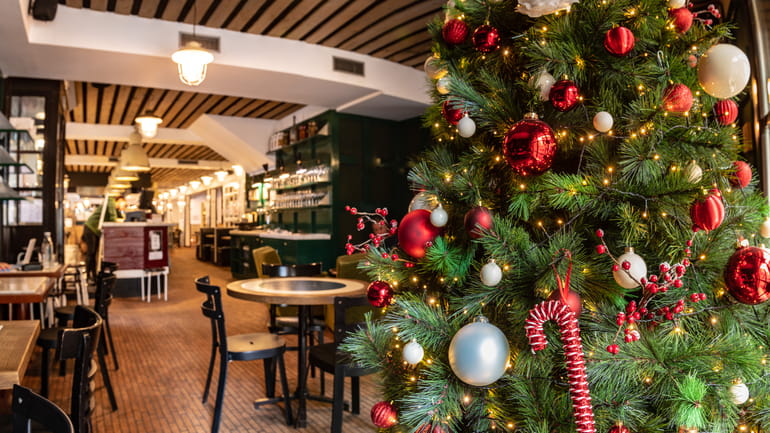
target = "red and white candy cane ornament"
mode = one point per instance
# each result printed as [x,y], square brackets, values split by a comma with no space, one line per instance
[573,351]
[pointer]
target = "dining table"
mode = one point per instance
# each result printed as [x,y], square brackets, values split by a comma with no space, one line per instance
[302,292]
[17,338]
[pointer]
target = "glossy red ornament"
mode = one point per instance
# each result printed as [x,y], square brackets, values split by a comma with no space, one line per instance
[379,293]
[572,300]
[726,111]
[707,214]
[747,275]
[486,38]
[416,232]
[454,32]
[618,428]
[742,174]
[428,428]
[619,41]
[384,415]
[682,19]
[677,98]
[563,95]
[529,146]
[479,216]
[451,112]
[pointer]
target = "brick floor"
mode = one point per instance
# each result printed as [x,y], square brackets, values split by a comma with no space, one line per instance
[163,350]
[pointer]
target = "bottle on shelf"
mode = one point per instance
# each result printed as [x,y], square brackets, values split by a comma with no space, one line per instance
[293,131]
[47,258]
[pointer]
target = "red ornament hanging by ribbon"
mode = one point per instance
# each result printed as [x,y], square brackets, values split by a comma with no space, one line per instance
[454,32]
[708,214]
[726,111]
[747,275]
[619,41]
[384,415]
[379,293]
[416,233]
[741,176]
[682,19]
[529,146]
[486,38]
[677,98]
[573,352]
[477,217]
[563,95]
[451,111]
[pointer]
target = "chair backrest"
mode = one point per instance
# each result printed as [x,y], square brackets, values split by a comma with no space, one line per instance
[347,267]
[349,315]
[105,283]
[265,255]
[79,343]
[283,271]
[212,308]
[28,406]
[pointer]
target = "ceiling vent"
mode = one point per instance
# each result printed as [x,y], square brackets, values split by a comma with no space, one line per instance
[210,43]
[348,66]
[187,162]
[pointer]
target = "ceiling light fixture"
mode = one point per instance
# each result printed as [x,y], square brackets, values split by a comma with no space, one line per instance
[206,180]
[147,124]
[133,157]
[192,59]
[124,175]
[195,184]
[238,170]
[221,174]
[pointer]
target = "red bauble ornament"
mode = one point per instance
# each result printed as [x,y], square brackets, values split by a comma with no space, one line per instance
[742,175]
[726,111]
[384,415]
[708,214]
[747,275]
[529,146]
[416,232]
[619,41]
[486,38]
[619,428]
[677,98]
[451,113]
[682,19]
[428,428]
[563,95]
[454,31]
[380,294]
[571,300]
[477,217]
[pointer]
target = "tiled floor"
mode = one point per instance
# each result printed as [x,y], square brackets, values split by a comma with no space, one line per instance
[163,350]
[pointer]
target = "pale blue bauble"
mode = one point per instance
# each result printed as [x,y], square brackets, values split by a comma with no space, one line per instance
[478,353]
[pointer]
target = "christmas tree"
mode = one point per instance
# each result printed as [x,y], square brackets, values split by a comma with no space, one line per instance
[585,189]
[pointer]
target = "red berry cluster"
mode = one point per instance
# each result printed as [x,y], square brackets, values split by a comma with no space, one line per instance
[378,217]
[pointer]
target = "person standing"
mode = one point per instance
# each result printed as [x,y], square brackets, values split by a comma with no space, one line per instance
[92,232]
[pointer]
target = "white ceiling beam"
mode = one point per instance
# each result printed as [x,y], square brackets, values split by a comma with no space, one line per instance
[92,131]
[102,161]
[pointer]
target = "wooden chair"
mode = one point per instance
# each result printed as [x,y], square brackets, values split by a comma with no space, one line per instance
[29,408]
[243,347]
[264,255]
[330,360]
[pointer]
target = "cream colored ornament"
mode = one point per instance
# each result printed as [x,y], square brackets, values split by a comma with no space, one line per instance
[491,274]
[413,352]
[764,228]
[542,81]
[723,71]
[676,4]
[603,121]
[442,85]
[433,68]
[466,127]
[439,216]
[630,278]
[694,172]
[538,8]
[740,393]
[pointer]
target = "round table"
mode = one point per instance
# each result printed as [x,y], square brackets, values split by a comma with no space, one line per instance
[303,292]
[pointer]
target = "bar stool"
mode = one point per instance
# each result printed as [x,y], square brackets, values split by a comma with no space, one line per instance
[158,273]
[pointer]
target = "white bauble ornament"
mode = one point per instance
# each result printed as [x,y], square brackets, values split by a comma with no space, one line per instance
[433,68]
[439,217]
[466,127]
[478,353]
[450,12]
[676,4]
[542,81]
[491,274]
[603,121]
[413,352]
[694,172]
[740,393]
[723,71]
[423,200]
[442,85]
[537,8]
[764,228]
[637,271]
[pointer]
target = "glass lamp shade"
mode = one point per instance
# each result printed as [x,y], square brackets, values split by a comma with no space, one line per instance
[221,174]
[148,124]
[191,62]
[206,180]
[133,157]
[113,183]
[124,175]
[195,184]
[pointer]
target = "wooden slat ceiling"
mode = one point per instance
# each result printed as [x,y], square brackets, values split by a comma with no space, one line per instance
[394,29]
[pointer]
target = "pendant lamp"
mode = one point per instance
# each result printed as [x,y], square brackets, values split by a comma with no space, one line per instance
[192,61]
[133,157]
[124,175]
[147,124]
